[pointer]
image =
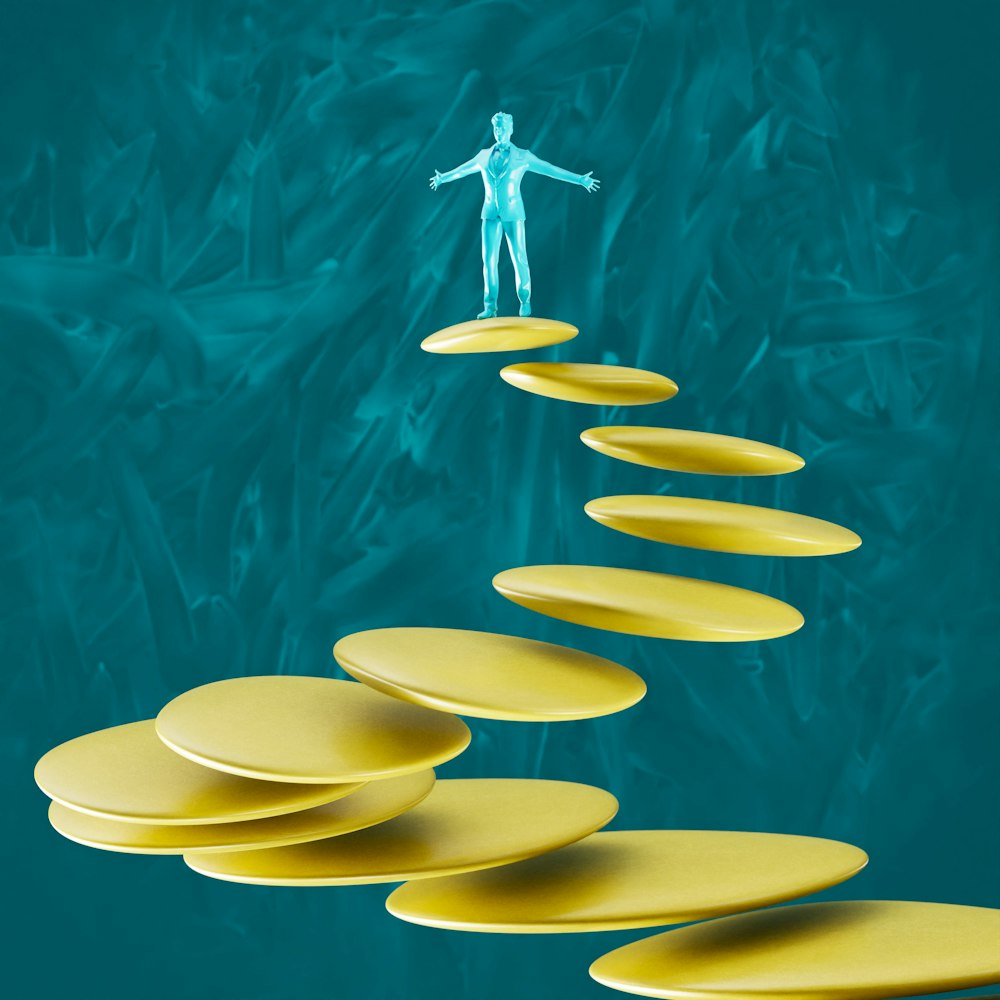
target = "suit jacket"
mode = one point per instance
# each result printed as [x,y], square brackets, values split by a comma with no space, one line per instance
[503,185]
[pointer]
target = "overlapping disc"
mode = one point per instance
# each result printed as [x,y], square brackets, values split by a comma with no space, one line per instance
[463,825]
[487,675]
[642,603]
[691,451]
[818,951]
[376,802]
[607,385]
[631,878]
[307,729]
[500,333]
[128,775]
[722,527]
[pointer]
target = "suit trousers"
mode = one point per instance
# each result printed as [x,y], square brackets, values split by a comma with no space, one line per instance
[493,231]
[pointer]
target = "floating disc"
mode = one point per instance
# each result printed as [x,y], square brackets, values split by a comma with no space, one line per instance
[463,825]
[641,603]
[488,676]
[631,878]
[691,451]
[722,527]
[817,951]
[127,774]
[607,385]
[308,729]
[501,333]
[374,803]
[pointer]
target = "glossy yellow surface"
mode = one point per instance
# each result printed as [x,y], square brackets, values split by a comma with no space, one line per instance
[487,675]
[631,878]
[307,729]
[501,333]
[642,603]
[376,802]
[722,527]
[463,825]
[691,451]
[819,951]
[127,774]
[607,385]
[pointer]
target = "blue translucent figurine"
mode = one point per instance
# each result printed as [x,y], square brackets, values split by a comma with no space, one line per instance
[502,167]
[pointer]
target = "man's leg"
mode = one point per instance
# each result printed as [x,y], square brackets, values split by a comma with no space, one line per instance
[492,235]
[519,255]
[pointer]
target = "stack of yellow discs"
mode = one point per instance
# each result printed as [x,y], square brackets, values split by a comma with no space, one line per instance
[246,764]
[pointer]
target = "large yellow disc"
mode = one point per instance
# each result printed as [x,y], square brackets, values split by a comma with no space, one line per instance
[607,385]
[307,729]
[501,333]
[463,825]
[691,451]
[631,878]
[127,774]
[818,951]
[641,603]
[722,527]
[374,803]
[489,676]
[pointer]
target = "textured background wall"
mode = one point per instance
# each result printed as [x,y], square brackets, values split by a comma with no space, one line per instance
[222,449]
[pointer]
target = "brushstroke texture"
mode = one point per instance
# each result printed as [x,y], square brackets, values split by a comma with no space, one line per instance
[222,449]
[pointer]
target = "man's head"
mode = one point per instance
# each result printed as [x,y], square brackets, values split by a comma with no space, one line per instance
[503,126]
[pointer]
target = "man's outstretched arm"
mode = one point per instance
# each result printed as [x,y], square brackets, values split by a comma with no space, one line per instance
[469,167]
[540,166]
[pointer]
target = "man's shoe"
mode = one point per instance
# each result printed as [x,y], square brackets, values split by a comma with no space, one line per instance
[525,309]
[488,312]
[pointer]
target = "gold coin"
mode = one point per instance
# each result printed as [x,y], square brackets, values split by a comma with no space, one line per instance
[641,603]
[127,774]
[500,333]
[816,951]
[607,385]
[307,729]
[631,878]
[463,825]
[691,451]
[488,676]
[376,802]
[722,527]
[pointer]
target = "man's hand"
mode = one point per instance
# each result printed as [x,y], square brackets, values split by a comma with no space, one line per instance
[591,184]
[436,180]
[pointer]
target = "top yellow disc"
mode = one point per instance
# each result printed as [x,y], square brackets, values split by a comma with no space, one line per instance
[501,333]
[308,729]
[607,385]
[640,603]
[463,825]
[631,878]
[488,676]
[817,951]
[691,451]
[722,527]
[127,774]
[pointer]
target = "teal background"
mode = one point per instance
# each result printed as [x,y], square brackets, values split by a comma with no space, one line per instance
[222,448]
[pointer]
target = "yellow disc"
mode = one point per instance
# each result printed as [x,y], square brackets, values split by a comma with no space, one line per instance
[127,774]
[607,385]
[307,729]
[463,825]
[501,333]
[691,451]
[722,527]
[640,603]
[817,951]
[374,803]
[488,676]
[631,878]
